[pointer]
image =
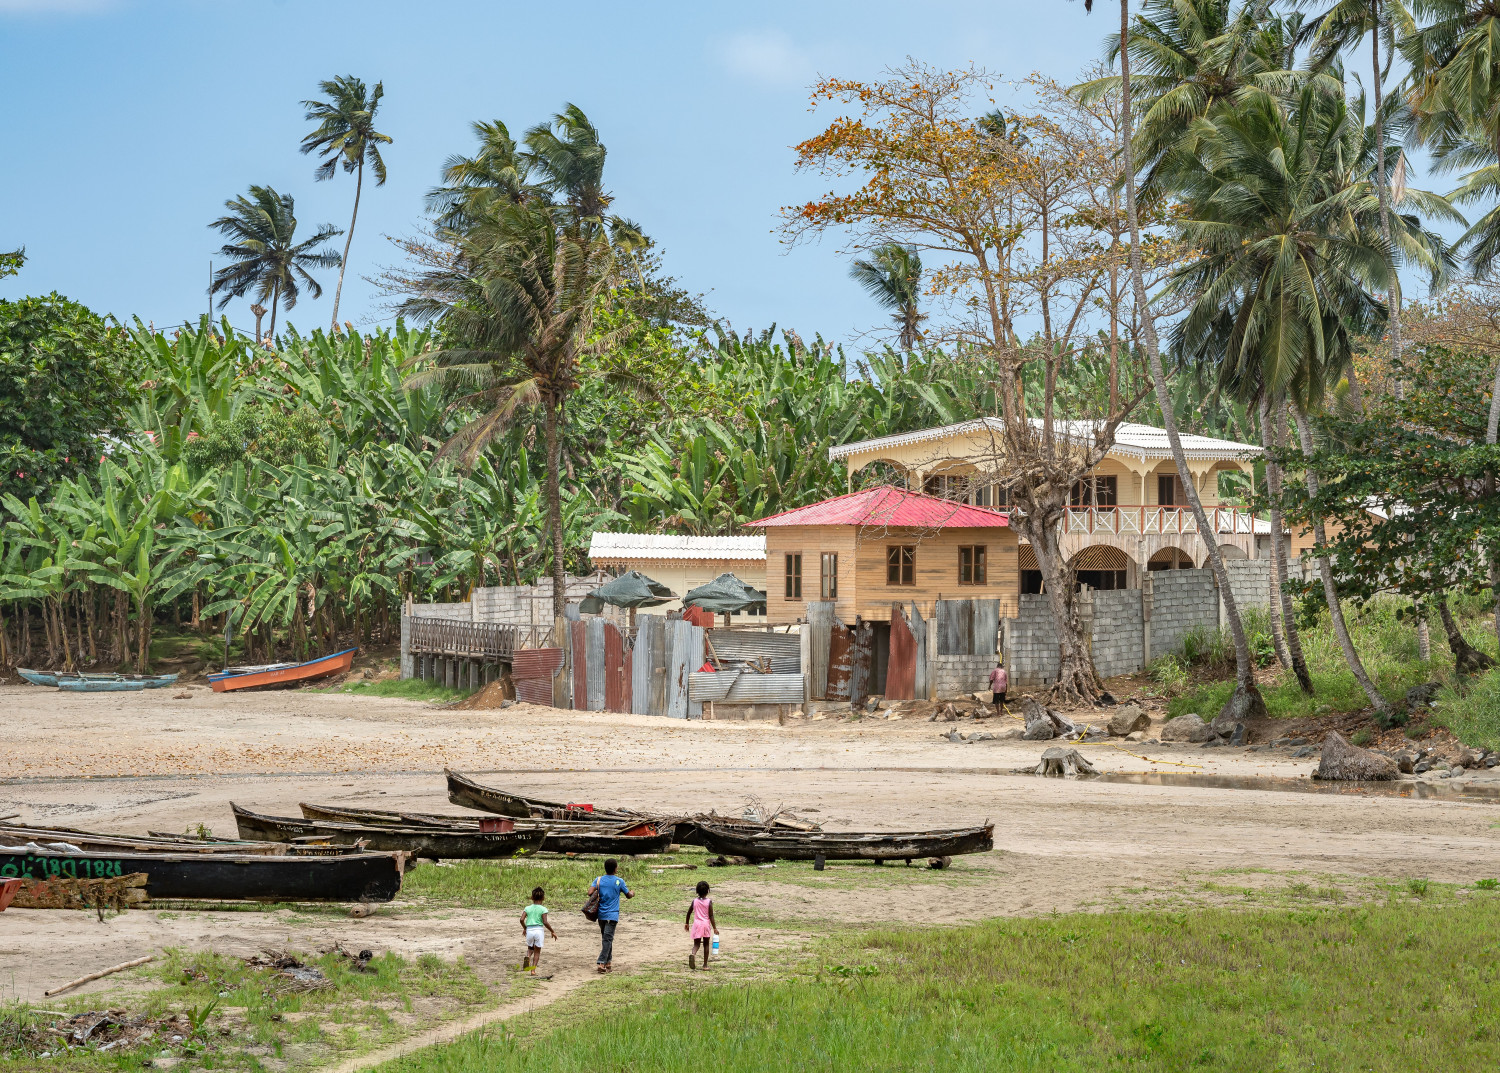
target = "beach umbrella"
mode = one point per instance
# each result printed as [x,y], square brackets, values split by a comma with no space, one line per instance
[726,594]
[631,590]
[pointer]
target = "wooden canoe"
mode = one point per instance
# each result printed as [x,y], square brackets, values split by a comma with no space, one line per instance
[57,678]
[434,843]
[352,877]
[775,845]
[99,685]
[13,834]
[282,674]
[463,790]
[608,839]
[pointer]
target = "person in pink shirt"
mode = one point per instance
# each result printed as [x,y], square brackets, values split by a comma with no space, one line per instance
[700,924]
[999,682]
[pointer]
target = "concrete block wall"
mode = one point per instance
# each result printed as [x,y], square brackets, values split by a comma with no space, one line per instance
[1250,579]
[408,664]
[1030,640]
[954,676]
[1117,642]
[1182,601]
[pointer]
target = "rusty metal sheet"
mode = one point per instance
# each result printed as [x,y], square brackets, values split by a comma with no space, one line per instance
[901,670]
[579,633]
[783,649]
[532,672]
[918,626]
[684,656]
[593,627]
[819,625]
[648,633]
[862,663]
[616,681]
[840,661]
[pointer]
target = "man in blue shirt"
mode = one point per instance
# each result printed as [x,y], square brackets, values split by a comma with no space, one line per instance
[610,887]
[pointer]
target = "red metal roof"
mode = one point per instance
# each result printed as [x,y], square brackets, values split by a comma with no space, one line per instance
[890,506]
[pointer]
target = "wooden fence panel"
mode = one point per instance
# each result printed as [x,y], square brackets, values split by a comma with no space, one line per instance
[579,633]
[986,627]
[918,626]
[614,669]
[862,663]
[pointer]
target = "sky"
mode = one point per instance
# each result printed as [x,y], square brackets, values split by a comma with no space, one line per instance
[126,125]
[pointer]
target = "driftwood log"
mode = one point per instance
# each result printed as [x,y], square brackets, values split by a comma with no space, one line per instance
[59,892]
[100,974]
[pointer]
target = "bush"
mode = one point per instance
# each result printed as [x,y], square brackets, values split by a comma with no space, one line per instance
[1363,737]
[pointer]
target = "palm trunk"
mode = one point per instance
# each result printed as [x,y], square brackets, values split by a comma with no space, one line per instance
[275,301]
[1281,598]
[1330,591]
[359,182]
[143,637]
[1246,700]
[1383,190]
[1466,658]
[1424,632]
[554,507]
[1491,434]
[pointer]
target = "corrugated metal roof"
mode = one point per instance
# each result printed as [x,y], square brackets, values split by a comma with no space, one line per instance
[673,546]
[1142,441]
[888,506]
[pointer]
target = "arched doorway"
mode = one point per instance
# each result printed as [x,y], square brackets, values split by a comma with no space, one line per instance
[1102,567]
[1170,559]
[1233,551]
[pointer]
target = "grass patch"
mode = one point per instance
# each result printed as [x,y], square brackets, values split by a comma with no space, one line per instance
[659,892]
[241,1017]
[1387,645]
[1371,988]
[404,689]
[1471,710]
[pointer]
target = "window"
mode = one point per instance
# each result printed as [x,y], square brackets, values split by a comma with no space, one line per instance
[900,564]
[1096,491]
[793,577]
[947,485]
[971,565]
[1169,490]
[829,576]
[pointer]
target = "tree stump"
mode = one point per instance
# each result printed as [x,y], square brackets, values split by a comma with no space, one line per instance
[1059,762]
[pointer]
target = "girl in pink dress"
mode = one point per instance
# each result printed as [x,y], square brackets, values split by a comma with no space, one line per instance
[700,924]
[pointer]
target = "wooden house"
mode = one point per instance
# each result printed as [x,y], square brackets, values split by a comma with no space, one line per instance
[866,550]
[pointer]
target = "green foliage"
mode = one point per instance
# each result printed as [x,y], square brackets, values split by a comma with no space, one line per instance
[1471,710]
[263,431]
[66,378]
[1216,989]
[11,262]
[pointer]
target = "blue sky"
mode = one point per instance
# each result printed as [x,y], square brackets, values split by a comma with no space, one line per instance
[127,123]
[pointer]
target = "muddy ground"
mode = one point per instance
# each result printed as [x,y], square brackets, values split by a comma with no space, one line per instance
[150,761]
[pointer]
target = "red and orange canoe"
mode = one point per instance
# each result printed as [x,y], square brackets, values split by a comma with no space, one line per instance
[275,674]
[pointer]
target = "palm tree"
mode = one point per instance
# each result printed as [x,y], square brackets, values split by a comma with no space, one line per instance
[1246,700]
[263,255]
[346,137]
[519,304]
[498,174]
[1342,27]
[893,276]
[567,158]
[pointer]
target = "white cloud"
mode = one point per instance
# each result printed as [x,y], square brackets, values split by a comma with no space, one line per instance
[768,57]
[53,7]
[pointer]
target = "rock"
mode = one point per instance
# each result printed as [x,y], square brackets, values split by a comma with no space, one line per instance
[1240,735]
[1106,700]
[1471,758]
[954,735]
[1009,734]
[1213,743]
[1188,727]
[1093,733]
[1058,761]
[1127,719]
[1136,735]
[1419,696]
[1039,726]
[506,702]
[1289,743]
[1343,761]
[873,704]
[1492,761]
[1305,751]
[1406,761]
[946,714]
[1422,767]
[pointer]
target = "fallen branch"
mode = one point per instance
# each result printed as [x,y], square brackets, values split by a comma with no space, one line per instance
[99,975]
[1149,759]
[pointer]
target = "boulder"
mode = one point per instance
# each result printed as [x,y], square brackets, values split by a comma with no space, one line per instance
[1039,726]
[1127,719]
[1190,727]
[1136,735]
[1405,760]
[1346,762]
[1009,734]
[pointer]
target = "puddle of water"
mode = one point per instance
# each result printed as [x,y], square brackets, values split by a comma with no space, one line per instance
[1409,789]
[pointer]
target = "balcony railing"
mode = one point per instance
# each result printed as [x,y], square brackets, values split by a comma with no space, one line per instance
[1155,520]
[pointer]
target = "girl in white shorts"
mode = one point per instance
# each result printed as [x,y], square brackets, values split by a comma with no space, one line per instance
[535,923]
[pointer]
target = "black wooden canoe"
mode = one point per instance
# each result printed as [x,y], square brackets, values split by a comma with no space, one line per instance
[463,790]
[14,835]
[435,843]
[775,845]
[607,839]
[352,877]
